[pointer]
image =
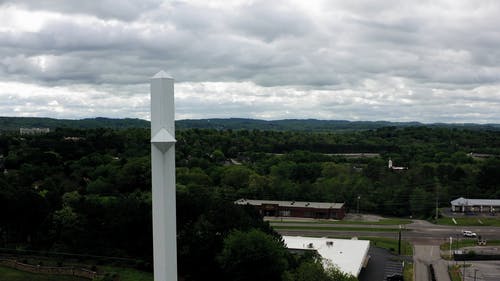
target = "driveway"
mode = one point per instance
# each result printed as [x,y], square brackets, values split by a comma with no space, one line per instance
[382,263]
[423,257]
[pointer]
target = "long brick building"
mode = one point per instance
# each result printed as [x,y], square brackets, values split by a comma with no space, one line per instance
[318,210]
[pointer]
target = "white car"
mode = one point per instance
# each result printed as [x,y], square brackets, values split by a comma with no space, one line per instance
[468,233]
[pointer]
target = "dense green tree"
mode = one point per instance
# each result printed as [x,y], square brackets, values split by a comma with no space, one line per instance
[252,255]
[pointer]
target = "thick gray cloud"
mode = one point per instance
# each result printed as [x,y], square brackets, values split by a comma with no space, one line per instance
[109,9]
[428,61]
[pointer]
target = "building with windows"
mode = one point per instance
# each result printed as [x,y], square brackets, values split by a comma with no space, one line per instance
[475,205]
[317,210]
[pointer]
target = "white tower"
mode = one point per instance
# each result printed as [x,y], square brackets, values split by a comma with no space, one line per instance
[163,177]
[390,164]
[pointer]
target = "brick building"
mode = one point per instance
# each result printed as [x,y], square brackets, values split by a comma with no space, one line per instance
[315,210]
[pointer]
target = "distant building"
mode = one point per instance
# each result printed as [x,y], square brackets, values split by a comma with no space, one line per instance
[348,255]
[33,131]
[392,167]
[480,155]
[315,210]
[475,205]
[355,155]
[73,139]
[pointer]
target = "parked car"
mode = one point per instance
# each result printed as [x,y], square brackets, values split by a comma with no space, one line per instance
[468,233]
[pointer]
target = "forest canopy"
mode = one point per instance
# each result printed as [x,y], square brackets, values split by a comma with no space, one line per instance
[89,190]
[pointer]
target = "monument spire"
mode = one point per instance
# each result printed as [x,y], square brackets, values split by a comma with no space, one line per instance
[163,177]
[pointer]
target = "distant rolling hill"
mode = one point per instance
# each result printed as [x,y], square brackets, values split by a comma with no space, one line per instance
[312,125]
[14,123]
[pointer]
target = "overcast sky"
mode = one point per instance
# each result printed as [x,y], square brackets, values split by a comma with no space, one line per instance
[427,61]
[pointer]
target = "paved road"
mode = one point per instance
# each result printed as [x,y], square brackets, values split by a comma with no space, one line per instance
[417,230]
[423,257]
[482,271]
[382,263]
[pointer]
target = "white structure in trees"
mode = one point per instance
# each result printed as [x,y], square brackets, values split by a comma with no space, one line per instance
[163,177]
[392,167]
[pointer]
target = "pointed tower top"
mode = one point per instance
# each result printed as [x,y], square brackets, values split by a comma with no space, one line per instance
[162,74]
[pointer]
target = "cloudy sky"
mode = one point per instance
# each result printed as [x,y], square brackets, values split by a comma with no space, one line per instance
[428,61]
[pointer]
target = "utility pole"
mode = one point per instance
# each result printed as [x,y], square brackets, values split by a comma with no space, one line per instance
[451,242]
[399,241]
[463,275]
[163,177]
[437,200]
[359,197]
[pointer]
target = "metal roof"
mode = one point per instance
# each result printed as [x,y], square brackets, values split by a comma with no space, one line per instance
[348,255]
[475,202]
[297,204]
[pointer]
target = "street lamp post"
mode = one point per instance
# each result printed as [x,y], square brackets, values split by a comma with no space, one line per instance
[451,242]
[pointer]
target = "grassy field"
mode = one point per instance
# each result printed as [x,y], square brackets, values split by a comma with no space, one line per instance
[466,243]
[9,274]
[408,272]
[390,244]
[340,228]
[129,274]
[392,221]
[455,273]
[470,221]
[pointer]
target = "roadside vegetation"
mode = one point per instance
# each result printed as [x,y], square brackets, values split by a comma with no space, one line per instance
[391,221]
[455,273]
[470,221]
[466,242]
[9,274]
[390,244]
[408,271]
[333,228]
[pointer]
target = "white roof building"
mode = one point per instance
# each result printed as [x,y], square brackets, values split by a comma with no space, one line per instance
[349,256]
[317,205]
[482,205]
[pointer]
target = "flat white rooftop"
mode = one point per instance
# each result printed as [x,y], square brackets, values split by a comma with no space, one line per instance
[348,255]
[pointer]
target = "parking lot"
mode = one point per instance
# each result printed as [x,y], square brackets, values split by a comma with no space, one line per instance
[482,271]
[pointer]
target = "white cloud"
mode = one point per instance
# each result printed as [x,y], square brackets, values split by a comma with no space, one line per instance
[386,60]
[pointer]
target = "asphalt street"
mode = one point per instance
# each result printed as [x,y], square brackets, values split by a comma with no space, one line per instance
[418,230]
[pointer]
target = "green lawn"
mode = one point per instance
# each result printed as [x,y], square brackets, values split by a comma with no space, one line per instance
[469,221]
[9,274]
[392,221]
[390,244]
[129,274]
[408,272]
[455,273]
[340,228]
[466,243]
